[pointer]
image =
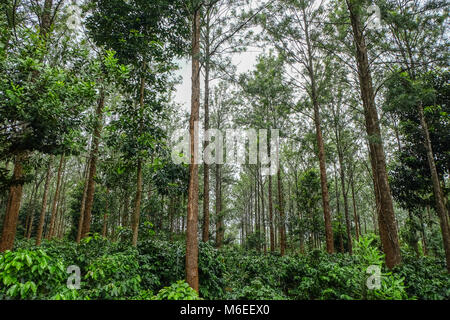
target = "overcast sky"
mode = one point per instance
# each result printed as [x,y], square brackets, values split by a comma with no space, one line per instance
[244,61]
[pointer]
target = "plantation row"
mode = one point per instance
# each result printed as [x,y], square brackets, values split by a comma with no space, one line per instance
[116,270]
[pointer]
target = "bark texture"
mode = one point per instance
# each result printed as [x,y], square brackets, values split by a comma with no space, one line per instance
[93,166]
[385,209]
[192,206]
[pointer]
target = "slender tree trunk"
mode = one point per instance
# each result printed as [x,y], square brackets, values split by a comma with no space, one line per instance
[51,230]
[83,202]
[126,208]
[440,207]
[30,213]
[258,208]
[338,209]
[105,215]
[219,214]
[183,219]
[171,215]
[424,239]
[320,143]
[62,209]
[61,201]
[344,194]
[281,208]
[40,228]
[355,213]
[13,207]
[386,216]
[93,165]
[270,203]
[205,235]
[263,214]
[137,203]
[324,184]
[192,207]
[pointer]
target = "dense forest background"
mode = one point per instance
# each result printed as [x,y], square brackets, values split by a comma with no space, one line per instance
[358,207]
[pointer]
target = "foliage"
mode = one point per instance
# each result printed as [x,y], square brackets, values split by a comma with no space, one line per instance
[113,276]
[425,277]
[177,291]
[112,270]
[211,269]
[29,274]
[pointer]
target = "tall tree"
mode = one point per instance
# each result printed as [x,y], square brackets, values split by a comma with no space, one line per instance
[385,208]
[192,205]
[292,30]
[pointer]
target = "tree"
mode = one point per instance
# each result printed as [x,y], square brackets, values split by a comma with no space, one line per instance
[147,35]
[292,31]
[408,99]
[50,88]
[192,206]
[386,216]
[270,99]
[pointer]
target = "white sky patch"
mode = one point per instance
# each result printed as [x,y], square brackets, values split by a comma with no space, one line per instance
[244,61]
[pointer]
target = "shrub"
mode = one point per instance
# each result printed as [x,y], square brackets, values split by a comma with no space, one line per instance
[162,263]
[211,270]
[256,290]
[113,276]
[425,278]
[179,290]
[30,274]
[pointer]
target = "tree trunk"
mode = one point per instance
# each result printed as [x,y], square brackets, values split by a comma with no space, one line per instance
[355,213]
[50,232]
[30,215]
[13,207]
[386,216]
[62,207]
[61,201]
[137,202]
[125,209]
[270,203]
[320,143]
[422,231]
[83,202]
[281,209]
[105,215]
[219,214]
[93,165]
[192,207]
[344,194]
[44,203]
[263,211]
[205,235]
[338,210]
[440,207]
[258,209]
[171,216]
[46,18]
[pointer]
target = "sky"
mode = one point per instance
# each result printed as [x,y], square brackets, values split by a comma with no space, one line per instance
[244,61]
